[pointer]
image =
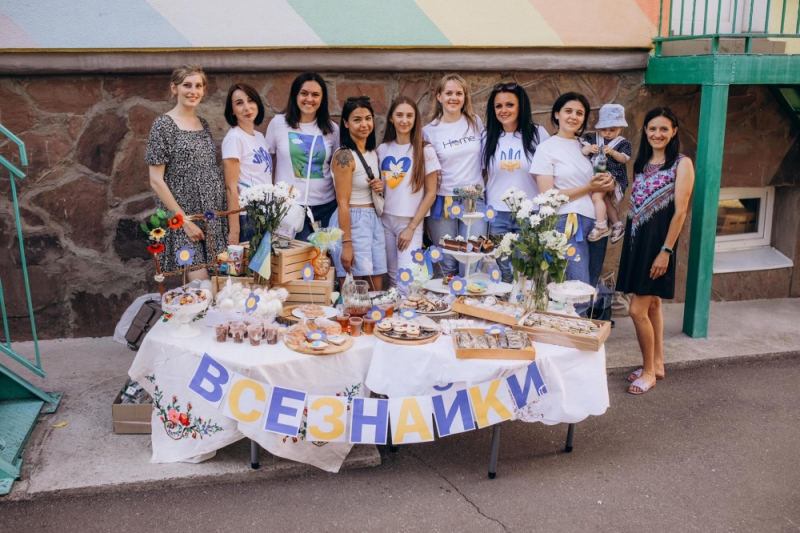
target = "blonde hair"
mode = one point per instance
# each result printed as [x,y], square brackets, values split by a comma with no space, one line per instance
[184,71]
[466,109]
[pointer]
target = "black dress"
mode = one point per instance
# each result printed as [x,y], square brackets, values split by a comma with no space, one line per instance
[195,180]
[650,213]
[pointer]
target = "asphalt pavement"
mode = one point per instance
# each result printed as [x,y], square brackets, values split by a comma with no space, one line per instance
[711,448]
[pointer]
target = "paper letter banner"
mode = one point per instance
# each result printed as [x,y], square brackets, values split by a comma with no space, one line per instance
[211,380]
[285,411]
[370,421]
[327,418]
[247,400]
[411,419]
[520,385]
[453,412]
[492,403]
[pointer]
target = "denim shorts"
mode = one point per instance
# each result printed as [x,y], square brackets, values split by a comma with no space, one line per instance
[369,243]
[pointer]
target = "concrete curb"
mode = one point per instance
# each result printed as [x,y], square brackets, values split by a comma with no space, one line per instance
[689,364]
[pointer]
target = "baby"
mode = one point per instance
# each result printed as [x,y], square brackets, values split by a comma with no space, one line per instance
[617,150]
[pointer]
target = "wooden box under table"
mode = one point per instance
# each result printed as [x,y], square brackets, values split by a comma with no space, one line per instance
[528,354]
[460,307]
[570,340]
[288,263]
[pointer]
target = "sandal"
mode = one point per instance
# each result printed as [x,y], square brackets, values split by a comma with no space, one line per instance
[638,374]
[598,233]
[617,232]
[641,385]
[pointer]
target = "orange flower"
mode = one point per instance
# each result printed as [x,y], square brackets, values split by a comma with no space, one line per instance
[176,221]
[155,248]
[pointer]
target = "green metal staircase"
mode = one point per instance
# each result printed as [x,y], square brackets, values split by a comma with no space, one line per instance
[789,97]
[20,401]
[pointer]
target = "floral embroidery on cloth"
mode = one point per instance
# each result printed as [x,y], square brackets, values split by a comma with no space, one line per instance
[653,190]
[350,392]
[179,425]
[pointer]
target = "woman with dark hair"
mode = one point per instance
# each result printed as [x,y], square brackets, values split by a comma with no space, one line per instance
[302,141]
[245,159]
[662,186]
[184,174]
[559,163]
[410,169]
[357,174]
[509,143]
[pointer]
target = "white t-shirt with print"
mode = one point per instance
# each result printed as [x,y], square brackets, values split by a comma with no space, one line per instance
[458,148]
[397,164]
[292,146]
[510,168]
[562,159]
[255,163]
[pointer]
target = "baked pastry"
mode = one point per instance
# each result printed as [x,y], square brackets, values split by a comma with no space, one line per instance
[487,246]
[384,325]
[312,310]
[476,244]
[476,288]
[412,330]
[400,330]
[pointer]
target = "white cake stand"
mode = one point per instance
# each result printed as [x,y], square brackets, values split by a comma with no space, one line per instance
[571,292]
[492,288]
[184,314]
[468,258]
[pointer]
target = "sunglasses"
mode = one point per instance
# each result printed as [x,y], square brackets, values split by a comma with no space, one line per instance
[353,99]
[505,86]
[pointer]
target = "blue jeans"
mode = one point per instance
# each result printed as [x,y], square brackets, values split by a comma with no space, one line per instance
[504,223]
[322,214]
[592,255]
[437,229]
[246,229]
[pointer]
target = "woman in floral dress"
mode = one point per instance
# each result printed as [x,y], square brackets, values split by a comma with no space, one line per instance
[184,173]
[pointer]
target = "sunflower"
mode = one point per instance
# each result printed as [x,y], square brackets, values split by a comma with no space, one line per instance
[156,248]
[176,222]
[157,234]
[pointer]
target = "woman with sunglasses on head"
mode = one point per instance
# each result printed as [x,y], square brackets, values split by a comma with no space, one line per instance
[302,141]
[245,159]
[662,186]
[184,173]
[455,133]
[410,170]
[559,163]
[509,143]
[357,175]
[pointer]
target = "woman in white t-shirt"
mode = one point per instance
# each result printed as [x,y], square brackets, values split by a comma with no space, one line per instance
[455,133]
[410,170]
[363,250]
[245,159]
[559,163]
[509,143]
[302,142]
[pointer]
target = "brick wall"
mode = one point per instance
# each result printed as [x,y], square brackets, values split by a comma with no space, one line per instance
[87,186]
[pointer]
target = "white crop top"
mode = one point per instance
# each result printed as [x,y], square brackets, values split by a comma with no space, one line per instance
[361,193]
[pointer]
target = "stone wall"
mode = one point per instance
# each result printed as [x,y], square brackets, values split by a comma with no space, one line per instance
[87,186]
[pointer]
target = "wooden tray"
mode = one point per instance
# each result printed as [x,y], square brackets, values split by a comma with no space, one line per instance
[330,350]
[491,316]
[528,354]
[409,342]
[570,340]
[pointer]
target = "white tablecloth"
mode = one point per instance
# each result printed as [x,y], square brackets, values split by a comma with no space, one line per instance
[575,379]
[169,363]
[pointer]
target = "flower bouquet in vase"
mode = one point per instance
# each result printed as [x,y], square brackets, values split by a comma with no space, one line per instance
[468,196]
[538,249]
[265,205]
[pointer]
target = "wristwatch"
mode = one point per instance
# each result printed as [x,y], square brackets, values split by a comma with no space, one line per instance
[668,250]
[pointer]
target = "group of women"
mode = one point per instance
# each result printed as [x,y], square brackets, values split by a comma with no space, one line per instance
[384,195]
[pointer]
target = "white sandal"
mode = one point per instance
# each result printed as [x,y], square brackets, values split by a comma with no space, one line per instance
[642,386]
[617,232]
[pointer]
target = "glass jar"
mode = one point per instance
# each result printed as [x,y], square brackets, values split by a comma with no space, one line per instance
[355,298]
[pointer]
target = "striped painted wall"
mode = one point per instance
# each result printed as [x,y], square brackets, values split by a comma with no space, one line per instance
[170,24]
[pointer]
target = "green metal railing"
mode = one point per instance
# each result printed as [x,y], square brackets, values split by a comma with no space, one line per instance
[7,348]
[683,20]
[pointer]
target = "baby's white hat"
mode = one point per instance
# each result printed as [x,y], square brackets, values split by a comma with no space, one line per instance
[611,116]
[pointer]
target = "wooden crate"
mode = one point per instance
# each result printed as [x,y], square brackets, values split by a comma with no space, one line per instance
[460,307]
[304,292]
[529,354]
[218,282]
[288,263]
[570,340]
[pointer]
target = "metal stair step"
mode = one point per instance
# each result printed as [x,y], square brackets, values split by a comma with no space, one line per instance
[17,418]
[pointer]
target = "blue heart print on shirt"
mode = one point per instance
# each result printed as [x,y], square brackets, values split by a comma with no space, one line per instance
[395,171]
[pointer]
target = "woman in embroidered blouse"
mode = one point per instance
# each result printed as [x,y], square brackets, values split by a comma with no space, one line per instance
[659,201]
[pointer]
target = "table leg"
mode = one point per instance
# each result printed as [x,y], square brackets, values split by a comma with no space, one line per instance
[495,451]
[254,455]
[570,436]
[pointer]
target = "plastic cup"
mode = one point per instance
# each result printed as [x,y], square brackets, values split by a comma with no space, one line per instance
[388,309]
[254,333]
[238,330]
[344,321]
[221,332]
[369,326]
[355,326]
[271,334]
